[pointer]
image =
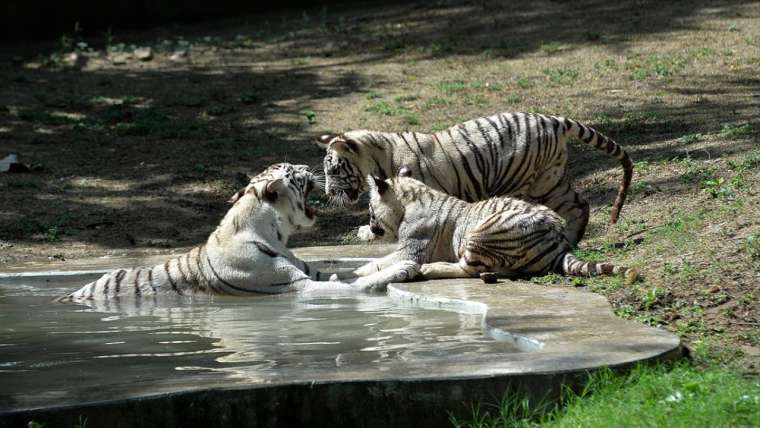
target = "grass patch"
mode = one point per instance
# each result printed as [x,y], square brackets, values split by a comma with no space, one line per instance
[660,396]
[752,245]
[642,67]
[396,108]
[735,131]
[561,76]
[550,48]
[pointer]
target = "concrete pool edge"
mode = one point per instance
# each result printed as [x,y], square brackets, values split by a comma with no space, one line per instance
[576,331]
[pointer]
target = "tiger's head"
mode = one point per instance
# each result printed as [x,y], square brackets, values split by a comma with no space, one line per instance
[344,177]
[286,188]
[386,207]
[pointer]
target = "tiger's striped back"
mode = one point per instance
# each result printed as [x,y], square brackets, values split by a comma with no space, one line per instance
[502,234]
[522,155]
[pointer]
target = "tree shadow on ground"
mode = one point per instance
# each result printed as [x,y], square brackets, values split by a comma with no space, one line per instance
[123,147]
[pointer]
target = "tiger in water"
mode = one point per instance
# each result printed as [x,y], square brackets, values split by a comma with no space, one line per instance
[246,253]
[523,155]
[452,238]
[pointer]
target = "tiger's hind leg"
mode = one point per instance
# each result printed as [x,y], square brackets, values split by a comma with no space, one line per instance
[575,210]
[566,202]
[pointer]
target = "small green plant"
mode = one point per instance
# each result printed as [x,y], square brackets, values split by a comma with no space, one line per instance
[33,424]
[717,188]
[733,131]
[591,254]
[550,278]
[311,117]
[641,167]
[690,138]
[411,119]
[449,87]
[561,76]
[625,311]
[524,83]
[81,422]
[651,297]
[655,65]
[383,107]
[578,282]
[643,188]
[753,245]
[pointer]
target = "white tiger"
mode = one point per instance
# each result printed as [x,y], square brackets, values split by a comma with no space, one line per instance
[246,253]
[523,155]
[452,238]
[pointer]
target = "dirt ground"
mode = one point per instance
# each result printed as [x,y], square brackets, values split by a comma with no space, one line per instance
[138,152]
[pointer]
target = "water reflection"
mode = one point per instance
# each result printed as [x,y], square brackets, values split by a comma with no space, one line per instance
[72,352]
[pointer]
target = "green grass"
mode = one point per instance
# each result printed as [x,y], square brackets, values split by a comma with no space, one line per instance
[752,245]
[552,47]
[397,108]
[661,396]
[561,76]
[733,131]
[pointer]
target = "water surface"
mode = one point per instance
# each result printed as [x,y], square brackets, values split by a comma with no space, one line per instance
[66,353]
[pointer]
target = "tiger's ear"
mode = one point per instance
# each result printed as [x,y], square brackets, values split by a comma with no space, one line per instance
[239,194]
[324,140]
[404,172]
[273,189]
[338,143]
[380,184]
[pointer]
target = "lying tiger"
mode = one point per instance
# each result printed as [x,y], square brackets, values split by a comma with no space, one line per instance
[523,155]
[452,238]
[246,253]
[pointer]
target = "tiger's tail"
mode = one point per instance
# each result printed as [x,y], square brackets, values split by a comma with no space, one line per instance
[599,141]
[574,267]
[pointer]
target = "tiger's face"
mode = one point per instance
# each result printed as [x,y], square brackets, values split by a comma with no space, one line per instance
[385,209]
[344,180]
[286,187]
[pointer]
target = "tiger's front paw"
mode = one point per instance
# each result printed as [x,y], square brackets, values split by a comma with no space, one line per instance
[365,234]
[406,271]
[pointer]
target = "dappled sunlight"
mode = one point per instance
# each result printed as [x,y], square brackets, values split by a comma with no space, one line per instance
[666,81]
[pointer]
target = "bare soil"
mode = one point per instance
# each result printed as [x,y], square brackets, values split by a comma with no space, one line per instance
[141,155]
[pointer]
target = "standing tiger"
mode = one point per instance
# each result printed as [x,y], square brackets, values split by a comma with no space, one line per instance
[523,155]
[452,238]
[246,253]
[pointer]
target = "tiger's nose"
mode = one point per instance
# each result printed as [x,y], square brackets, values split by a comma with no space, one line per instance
[377,230]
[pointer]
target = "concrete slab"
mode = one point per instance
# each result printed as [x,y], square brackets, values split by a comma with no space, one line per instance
[563,331]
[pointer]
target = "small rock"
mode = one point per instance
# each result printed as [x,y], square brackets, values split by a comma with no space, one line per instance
[144,54]
[178,55]
[6,162]
[71,58]
[714,289]
[489,277]
[120,59]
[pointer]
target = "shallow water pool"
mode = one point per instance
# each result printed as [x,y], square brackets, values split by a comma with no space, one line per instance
[71,353]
